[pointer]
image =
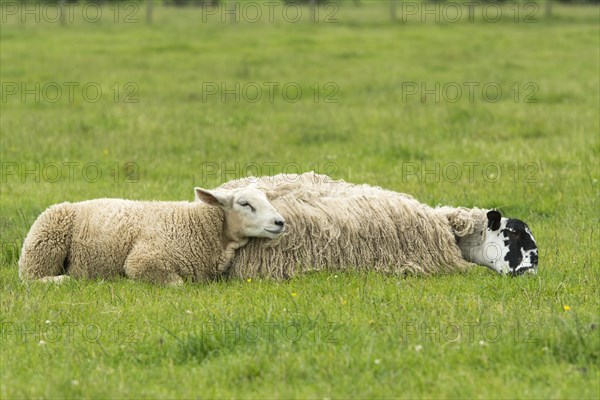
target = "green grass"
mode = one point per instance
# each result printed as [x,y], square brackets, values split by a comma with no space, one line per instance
[320,335]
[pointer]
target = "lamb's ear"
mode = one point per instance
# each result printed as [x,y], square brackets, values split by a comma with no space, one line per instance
[214,198]
[494,218]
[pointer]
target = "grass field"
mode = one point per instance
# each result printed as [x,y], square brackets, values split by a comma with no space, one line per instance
[127,109]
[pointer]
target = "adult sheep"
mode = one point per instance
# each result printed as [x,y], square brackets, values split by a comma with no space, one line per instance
[336,225]
[160,242]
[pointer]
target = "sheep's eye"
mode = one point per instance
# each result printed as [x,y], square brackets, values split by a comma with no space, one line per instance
[246,204]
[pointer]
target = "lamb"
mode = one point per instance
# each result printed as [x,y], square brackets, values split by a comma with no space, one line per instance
[159,242]
[334,225]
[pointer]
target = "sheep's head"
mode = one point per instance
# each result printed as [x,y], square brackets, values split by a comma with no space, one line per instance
[505,245]
[248,213]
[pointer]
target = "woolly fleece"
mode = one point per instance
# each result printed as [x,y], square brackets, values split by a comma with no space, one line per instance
[159,242]
[338,226]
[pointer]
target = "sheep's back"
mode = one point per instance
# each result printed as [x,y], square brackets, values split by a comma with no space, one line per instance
[335,225]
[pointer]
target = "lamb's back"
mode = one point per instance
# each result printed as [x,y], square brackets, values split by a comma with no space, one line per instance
[106,231]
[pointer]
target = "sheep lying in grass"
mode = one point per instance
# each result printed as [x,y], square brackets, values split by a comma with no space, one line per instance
[160,242]
[336,225]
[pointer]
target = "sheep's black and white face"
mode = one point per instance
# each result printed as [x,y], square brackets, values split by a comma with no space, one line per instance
[509,246]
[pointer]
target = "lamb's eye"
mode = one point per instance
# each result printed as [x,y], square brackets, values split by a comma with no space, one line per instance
[513,235]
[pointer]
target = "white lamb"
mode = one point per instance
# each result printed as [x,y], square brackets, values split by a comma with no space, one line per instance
[159,242]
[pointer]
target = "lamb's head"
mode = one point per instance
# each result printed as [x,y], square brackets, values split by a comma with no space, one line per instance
[248,212]
[505,245]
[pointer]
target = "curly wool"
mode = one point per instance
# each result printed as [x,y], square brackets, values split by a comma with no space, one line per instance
[160,242]
[334,225]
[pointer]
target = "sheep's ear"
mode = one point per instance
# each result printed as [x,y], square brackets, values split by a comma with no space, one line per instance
[494,218]
[213,198]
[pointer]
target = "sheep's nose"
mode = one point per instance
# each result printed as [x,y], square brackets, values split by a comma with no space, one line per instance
[279,222]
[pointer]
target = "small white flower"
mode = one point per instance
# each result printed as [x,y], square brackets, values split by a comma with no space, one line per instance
[48,322]
[189,312]
[42,342]
[377,361]
[418,347]
[482,343]
[74,382]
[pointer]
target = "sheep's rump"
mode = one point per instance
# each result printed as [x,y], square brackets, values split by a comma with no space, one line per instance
[334,225]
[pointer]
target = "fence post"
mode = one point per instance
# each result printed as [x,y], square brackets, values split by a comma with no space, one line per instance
[313,13]
[549,8]
[233,11]
[149,11]
[61,7]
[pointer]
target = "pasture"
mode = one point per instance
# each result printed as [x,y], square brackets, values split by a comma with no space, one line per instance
[495,114]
